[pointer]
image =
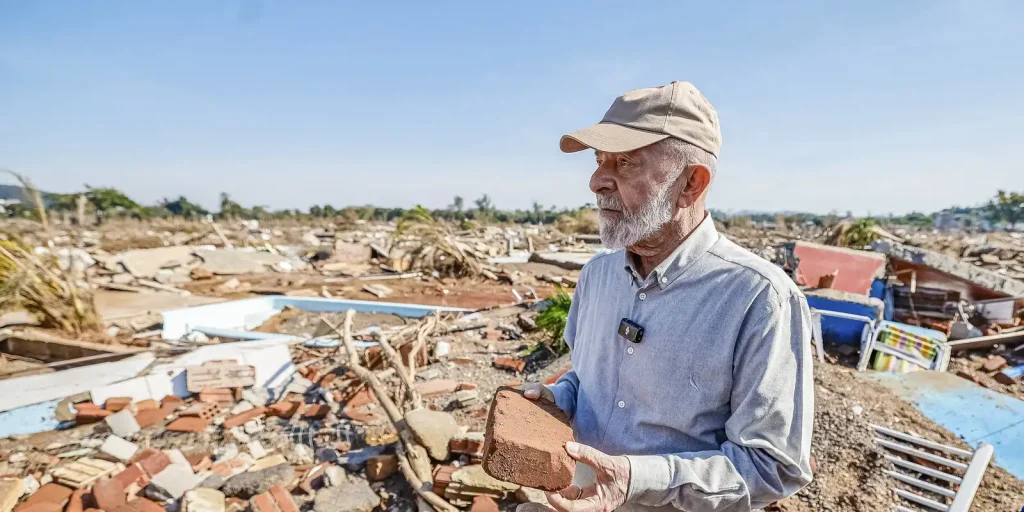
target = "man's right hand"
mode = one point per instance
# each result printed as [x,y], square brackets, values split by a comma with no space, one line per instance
[535,390]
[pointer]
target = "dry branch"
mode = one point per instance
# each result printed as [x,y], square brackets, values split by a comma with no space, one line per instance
[408,446]
[396,362]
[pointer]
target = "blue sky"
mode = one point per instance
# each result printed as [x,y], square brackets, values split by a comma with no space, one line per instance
[870,106]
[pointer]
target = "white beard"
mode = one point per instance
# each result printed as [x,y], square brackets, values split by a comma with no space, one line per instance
[635,226]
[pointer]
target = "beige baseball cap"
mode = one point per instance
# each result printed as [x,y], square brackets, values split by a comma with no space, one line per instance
[642,117]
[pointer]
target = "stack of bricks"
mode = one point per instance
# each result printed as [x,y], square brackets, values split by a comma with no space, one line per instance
[469,444]
[443,478]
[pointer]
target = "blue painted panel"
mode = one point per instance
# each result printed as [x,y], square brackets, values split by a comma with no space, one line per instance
[973,413]
[841,330]
[29,419]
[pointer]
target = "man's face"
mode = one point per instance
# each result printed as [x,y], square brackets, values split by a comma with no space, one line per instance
[633,194]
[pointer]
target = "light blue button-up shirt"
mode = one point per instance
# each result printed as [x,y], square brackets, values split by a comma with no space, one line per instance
[714,406]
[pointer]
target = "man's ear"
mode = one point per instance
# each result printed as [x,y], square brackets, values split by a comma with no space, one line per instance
[695,186]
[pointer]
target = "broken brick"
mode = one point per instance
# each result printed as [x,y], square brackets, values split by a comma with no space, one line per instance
[150,417]
[361,398]
[155,463]
[49,493]
[89,416]
[469,444]
[467,386]
[188,424]
[171,402]
[285,409]
[421,359]
[146,405]
[39,507]
[462,361]
[316,412]
[241,418]
[442,478]
[1005,379]
[200,461]
[134,474]
[994,363]
[117,403]
[554,378]
[140,505]
[381,467]
[436,387]
[510,363]
[76,503]
[362,417]
[207,411]
[109,494]
[525,442]
[483,503]
[218,395]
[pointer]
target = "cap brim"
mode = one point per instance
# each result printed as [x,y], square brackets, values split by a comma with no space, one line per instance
[609,137]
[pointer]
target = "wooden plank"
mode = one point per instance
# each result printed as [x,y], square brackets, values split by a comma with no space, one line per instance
[83,472]
[1009,338]
[219,375]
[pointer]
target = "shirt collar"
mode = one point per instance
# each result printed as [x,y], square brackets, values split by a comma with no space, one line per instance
[693,247]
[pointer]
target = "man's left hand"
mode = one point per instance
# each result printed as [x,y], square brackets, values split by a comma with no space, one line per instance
[607,492]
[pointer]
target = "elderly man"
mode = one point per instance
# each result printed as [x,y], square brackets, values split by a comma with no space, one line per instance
[710,407]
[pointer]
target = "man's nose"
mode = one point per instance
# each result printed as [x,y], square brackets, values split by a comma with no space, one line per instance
[602,182]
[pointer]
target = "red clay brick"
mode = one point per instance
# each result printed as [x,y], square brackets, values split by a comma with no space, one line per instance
[188,424]
[558,375]
[363,417]
[116,403]
[219,395]
[50,493]
[43,506]
[463,361]
[139,505]
[363,397]
[466,446]
[510,363]
[171,401]
[146,405]
[109,494]
[155,463]
[90,416]
[143,454]
[515,383]
[467,386]
[241,418]
[262,503]
[284,409]
[525,442]
[133,474]
[76,503]
[442,477]
[284,500]
[316,411]
[421,358]
[483,503]
[86,406]
[150,417]
[436,387]
[200,461]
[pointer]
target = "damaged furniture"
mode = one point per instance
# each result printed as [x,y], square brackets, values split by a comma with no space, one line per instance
[932,475]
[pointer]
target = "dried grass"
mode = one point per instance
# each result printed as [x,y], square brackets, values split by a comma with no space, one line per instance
[36,284]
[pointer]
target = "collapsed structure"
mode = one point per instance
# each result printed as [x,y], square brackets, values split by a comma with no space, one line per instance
[282,399]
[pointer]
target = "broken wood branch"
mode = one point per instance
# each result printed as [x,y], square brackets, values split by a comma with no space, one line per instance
[396,362]
[417,466]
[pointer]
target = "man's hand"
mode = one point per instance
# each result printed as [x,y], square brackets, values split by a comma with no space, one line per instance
[606,494]
[535,390]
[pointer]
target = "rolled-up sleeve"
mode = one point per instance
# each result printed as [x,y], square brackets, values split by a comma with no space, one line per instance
[766,456]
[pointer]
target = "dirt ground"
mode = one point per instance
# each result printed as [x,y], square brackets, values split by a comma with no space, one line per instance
[849,465]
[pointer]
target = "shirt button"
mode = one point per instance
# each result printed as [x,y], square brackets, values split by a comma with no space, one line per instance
[621,404]
[643,296]
[664,279]
[629,350]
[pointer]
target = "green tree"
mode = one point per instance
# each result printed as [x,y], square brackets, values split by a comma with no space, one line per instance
[107,199]
[538,212]
[1007,207]
[457,205]
[182,207]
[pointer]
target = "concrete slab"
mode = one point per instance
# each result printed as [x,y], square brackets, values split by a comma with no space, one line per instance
[970,411]
[146,263]
[237,261]
[941,271]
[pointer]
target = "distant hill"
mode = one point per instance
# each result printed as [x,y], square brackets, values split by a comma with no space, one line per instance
[10,192]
